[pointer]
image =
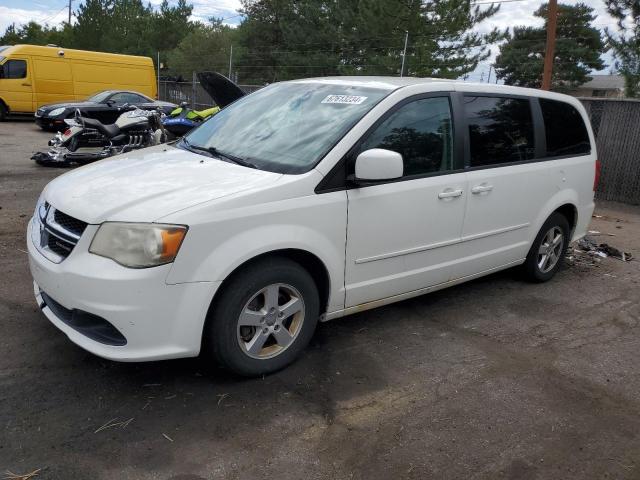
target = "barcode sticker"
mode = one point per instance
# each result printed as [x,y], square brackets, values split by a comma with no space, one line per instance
[344,99]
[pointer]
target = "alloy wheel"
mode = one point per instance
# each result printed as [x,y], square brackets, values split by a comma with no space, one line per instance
[550,249]
[270,321]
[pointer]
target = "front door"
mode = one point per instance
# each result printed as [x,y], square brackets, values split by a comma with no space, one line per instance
[15,82]
[401,234]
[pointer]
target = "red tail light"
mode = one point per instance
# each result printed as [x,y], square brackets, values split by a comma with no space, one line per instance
[596,179]
[67,132]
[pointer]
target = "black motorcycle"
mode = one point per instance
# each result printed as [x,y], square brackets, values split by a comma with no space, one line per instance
[87,139]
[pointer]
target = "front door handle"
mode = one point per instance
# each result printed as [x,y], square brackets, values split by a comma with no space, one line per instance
[449,193]
[481,189]
[25,84]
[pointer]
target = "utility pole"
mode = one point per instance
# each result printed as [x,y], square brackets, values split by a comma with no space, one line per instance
[489,77]
[551,44]
[230,61]
[404,52]
[70,12]
[194,79]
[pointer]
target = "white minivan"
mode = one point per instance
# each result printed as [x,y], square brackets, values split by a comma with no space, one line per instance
[309,200]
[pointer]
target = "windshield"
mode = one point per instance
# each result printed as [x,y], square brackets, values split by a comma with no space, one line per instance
[99,97]
[286,127]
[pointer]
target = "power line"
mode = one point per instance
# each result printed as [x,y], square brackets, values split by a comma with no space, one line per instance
[54,15]
[488,2]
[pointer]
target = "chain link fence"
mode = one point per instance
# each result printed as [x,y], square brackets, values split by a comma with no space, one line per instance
[616,125]
[191,92]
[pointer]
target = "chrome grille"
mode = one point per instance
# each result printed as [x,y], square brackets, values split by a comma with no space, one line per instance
[71,224]
[55,233]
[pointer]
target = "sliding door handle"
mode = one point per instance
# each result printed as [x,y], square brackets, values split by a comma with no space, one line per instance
[449,193]
[481,189]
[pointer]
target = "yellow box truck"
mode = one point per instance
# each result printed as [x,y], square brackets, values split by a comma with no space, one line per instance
[31,76]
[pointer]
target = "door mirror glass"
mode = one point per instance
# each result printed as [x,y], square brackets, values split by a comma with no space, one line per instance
[378,164]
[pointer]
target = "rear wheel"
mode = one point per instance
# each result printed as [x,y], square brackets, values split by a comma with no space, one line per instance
[548,250]
[263,319]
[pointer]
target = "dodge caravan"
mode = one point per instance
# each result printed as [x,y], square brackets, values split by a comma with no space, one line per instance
[307,201]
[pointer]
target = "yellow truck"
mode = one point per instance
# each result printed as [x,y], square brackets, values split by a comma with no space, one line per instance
[31,76]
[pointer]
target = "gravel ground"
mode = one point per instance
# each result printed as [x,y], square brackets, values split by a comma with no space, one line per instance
[492,379]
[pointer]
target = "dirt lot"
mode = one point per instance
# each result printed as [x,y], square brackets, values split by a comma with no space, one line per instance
[493,379]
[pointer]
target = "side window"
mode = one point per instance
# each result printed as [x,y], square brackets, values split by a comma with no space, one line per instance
[127,97]
[565,129]
[14,69]
[421,131]
[500,130]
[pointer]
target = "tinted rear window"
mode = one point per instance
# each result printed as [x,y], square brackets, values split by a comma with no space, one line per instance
[500,130]
[565,130]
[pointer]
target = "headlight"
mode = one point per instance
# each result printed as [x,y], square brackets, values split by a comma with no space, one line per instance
[138,245]
[55,112]
[41,208]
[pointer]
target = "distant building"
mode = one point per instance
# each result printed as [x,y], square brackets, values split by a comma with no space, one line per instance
[604,86]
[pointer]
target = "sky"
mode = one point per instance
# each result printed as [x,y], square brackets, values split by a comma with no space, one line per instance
[512,12]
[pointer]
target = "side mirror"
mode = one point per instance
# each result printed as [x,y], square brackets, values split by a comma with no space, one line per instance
[378,164]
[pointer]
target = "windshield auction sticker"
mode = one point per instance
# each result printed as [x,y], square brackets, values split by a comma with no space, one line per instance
[344,99]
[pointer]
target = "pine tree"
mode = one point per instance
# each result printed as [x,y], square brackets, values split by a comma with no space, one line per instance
[578,49]
[626,44]
[299,38]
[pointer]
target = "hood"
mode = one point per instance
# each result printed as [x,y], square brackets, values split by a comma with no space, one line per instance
[222,90]
[148,184]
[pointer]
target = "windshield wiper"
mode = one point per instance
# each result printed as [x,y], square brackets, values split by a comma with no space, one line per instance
[198,148]
[214,152]
[232,158]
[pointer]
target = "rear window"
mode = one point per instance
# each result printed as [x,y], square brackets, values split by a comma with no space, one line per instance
[565,130]
[500,129]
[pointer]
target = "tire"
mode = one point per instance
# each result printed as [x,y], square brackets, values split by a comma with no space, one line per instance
[246,349]
[3,112]
[547,253]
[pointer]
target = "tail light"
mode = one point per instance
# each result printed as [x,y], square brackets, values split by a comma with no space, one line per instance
[67,132]
[596,178]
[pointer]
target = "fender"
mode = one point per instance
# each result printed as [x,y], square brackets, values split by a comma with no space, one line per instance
[563,197]
[297,223]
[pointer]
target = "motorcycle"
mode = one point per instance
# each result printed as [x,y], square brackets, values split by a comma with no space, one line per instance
[183,119]
[223,92]
[87,139]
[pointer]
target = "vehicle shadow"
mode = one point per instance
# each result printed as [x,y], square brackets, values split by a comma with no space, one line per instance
[162,410]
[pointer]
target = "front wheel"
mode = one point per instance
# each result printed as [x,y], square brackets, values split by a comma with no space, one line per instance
[548,250]
[263,319]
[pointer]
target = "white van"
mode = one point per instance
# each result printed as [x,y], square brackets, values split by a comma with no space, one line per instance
[309,200]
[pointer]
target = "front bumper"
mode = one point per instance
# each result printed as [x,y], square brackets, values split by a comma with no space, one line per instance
[159,321]
[48,122]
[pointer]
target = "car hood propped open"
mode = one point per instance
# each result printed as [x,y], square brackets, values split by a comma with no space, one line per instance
[222,90]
